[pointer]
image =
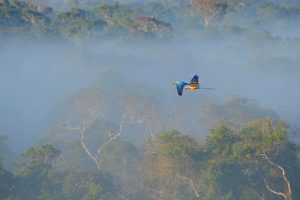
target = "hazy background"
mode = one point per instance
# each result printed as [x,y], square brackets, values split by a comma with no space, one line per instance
[88,109]
[36,78]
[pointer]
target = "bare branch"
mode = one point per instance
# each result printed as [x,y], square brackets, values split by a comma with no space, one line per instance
[94,158]
[84,110]
[287,196]
[82,129]
[274,192]
[260,197]
[112,137]
[191,183]
[72,128]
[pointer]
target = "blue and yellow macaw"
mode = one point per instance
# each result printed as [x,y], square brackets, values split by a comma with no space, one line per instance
[193,85]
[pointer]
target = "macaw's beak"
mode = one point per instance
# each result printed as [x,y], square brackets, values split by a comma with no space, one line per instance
[174,82]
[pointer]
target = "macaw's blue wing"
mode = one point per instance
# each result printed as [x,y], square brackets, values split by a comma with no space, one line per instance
[180,87]
[195,80]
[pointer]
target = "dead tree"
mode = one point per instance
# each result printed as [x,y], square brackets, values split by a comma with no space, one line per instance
[87,107]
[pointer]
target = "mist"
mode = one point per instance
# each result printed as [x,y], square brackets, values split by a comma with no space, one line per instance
[88,108]
[36,78]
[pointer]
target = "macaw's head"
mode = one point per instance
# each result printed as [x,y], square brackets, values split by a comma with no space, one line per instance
[175,82]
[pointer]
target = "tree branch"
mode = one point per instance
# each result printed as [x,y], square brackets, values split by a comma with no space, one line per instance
[287,196]
[260,197]
[191,183]
[274,192]
[112,137]
[94,158]
[85,124]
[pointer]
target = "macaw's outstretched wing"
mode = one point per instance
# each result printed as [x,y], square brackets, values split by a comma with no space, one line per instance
[180,87]
[195,80]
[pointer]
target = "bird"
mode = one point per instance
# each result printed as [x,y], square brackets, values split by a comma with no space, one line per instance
[193,85]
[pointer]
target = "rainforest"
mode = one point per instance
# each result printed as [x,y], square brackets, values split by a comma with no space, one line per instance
[88,110]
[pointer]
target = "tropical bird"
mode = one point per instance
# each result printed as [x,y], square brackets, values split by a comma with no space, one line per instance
[193,85]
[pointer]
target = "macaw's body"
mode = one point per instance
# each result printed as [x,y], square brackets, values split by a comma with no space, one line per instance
[193,85]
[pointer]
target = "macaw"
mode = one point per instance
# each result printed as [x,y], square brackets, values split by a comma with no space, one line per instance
[193,85]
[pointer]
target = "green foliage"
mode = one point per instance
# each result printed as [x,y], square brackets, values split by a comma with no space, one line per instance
[92,20]
[227,165]
[117,152]
[78,23]
[38,179]
[34,173]
[265,134]
[36,160]
[84,185]
[173,144]
[221,140]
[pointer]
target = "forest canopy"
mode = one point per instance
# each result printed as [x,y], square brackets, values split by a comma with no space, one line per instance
[87,94]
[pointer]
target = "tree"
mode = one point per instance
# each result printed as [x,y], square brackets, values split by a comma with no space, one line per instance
[262,136]
[209,9]
[87,185]
[34,173]
[287,195]
[243,156]
[172,165]
[123,160]
[37,160]
[84,110]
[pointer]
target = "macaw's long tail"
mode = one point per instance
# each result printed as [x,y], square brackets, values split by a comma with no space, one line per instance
[207,88]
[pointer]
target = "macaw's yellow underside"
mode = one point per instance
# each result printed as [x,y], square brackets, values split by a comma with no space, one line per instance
[192,87]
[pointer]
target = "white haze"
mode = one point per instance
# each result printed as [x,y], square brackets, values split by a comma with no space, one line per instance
[36,77]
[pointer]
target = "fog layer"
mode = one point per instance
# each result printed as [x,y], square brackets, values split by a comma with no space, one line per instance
[35,79]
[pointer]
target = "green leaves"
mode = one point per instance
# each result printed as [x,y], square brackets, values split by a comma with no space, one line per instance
[257,136]
[86,185]
[265,134]
[37,160]
[175,145]
[227,165]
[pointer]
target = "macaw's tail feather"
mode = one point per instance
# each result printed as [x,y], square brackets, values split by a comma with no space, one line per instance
[207,88]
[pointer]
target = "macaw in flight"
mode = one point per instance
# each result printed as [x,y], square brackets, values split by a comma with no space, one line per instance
[193,85]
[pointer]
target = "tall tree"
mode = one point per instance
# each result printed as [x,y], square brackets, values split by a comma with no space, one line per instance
[83,113]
